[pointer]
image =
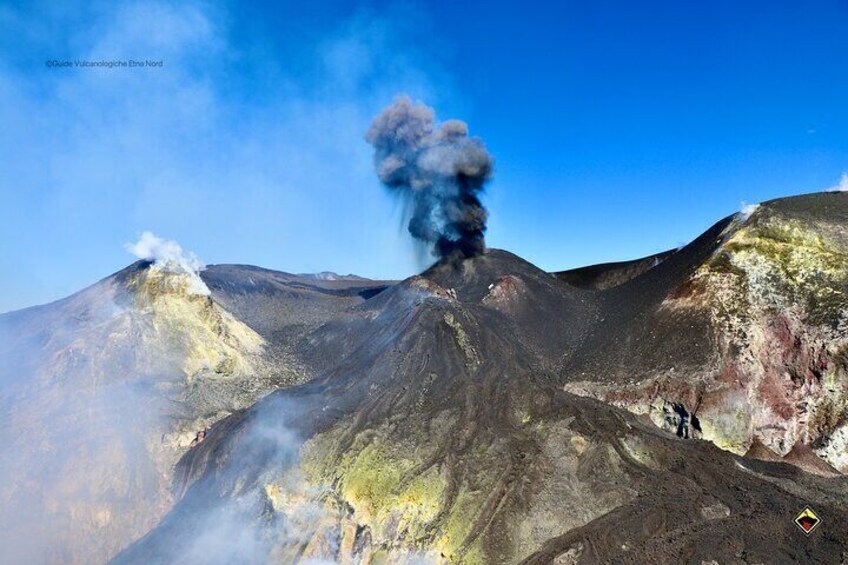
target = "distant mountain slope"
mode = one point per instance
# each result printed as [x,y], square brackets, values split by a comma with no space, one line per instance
[608,275]
[281,304]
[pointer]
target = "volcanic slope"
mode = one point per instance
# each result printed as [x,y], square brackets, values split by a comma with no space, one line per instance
[739,338]
[439,427]
[608,275]
[102,392]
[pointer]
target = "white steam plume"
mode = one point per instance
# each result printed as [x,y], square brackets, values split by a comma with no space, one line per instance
[841,186]
[165,253]
[168,255]
[747,209]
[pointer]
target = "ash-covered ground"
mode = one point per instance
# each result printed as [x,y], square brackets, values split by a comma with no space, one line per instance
[679,408]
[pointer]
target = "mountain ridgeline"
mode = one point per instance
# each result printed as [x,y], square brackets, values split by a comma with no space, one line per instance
[679,408]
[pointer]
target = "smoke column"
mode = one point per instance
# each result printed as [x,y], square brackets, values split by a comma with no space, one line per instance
[439,173]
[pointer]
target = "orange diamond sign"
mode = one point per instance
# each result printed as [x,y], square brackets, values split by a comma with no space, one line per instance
[807,520]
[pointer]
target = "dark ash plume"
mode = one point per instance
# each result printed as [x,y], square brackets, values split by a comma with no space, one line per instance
[438,171]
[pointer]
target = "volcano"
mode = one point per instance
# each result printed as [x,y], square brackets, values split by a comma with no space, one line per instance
[676,408]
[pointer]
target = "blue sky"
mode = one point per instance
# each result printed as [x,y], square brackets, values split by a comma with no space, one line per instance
[619,129]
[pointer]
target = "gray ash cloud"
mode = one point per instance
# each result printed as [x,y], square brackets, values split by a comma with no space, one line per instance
[438,171]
